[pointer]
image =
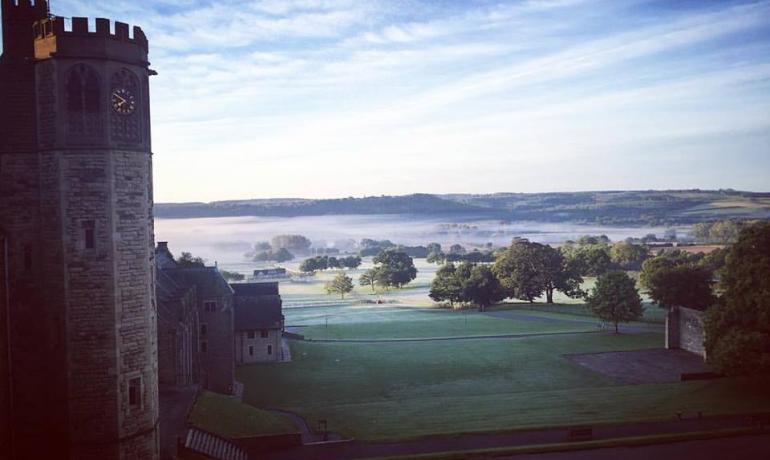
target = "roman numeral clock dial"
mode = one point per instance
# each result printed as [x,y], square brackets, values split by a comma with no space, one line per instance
[123,101]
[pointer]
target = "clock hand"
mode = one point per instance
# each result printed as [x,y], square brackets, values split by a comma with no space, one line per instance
[122,101]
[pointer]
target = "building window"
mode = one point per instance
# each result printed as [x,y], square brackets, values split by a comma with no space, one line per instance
[250,334]
[204,329]
[135,392]
[210,307]
[263,333]
[89,234]
[251,350]
[269,349]
[204,346]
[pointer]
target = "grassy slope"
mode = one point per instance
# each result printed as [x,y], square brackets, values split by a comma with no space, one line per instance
[226,416]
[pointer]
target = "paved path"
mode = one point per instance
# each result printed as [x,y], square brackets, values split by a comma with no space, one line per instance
[359,449]
[175,403]
[464,337]
[740,448]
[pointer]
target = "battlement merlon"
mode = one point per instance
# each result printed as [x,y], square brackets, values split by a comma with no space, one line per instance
[52,39]
[13,7]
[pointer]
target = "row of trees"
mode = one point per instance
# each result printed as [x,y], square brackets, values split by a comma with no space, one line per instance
[524,271]
[325,262]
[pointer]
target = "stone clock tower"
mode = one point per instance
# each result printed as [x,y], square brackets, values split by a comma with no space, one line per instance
[78,351]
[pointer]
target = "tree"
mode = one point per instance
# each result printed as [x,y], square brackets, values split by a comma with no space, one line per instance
[446,285]
[482,287]
[615,299]
[283,255]
[738,327]
[341,284]
[369,278]
[186,260]
[232,276]
[557,274]
[295,243]
[350,262]
[628,256]
[436,257]
[679,285]
[457,249]
[519,270]
[395,268]
[588,259]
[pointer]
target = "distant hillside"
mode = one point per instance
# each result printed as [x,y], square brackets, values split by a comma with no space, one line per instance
[610,207]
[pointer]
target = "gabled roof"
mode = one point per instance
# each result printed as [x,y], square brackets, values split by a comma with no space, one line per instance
[263,312]
[254,289]
[208,281]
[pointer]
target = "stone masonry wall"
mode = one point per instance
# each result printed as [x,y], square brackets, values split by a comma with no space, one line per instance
[684,330]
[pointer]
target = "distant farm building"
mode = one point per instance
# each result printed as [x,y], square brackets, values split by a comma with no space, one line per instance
[270,274]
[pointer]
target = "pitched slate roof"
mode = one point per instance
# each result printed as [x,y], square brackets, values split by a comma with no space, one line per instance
[263,312]
[208,281]
[254,289]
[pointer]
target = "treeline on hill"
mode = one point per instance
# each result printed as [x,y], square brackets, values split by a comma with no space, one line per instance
[433,252]
[665,207]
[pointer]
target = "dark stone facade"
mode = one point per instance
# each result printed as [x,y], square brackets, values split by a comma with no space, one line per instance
[195,325]
[78,340]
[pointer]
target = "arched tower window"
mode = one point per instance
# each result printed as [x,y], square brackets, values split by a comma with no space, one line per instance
[84,121]
[125,119]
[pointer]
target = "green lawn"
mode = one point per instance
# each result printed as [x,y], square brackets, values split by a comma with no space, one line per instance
[403,323]
[389,391]
[228,417]
[399,390]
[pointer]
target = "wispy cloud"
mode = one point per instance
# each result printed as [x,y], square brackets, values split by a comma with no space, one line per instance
[267,98]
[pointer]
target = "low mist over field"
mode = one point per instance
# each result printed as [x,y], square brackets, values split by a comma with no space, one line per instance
[227,239]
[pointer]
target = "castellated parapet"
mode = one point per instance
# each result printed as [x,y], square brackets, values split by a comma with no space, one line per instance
[76,235]
[52,37]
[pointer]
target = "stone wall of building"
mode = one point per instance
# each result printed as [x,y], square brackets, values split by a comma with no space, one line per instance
[684,330]
[215,349]
[251,347]
[76,208]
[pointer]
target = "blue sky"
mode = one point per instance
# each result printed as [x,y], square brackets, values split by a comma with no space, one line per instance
[329,98]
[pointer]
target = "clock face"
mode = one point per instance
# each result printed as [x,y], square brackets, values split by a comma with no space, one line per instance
[123,101]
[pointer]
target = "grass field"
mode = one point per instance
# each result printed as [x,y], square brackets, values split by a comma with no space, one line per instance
[228,417]
[390,391]
[394,390]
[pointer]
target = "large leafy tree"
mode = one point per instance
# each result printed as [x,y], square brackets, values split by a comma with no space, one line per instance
[526,270]
[394,268]
[519,270]
[738,327]
[369,278]
[675,280]
[588,259]
[557,274]
[447,285]
[615,299]
[482,287]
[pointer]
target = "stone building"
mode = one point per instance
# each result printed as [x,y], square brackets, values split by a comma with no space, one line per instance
[258,323]
[195,325]
[78,351]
